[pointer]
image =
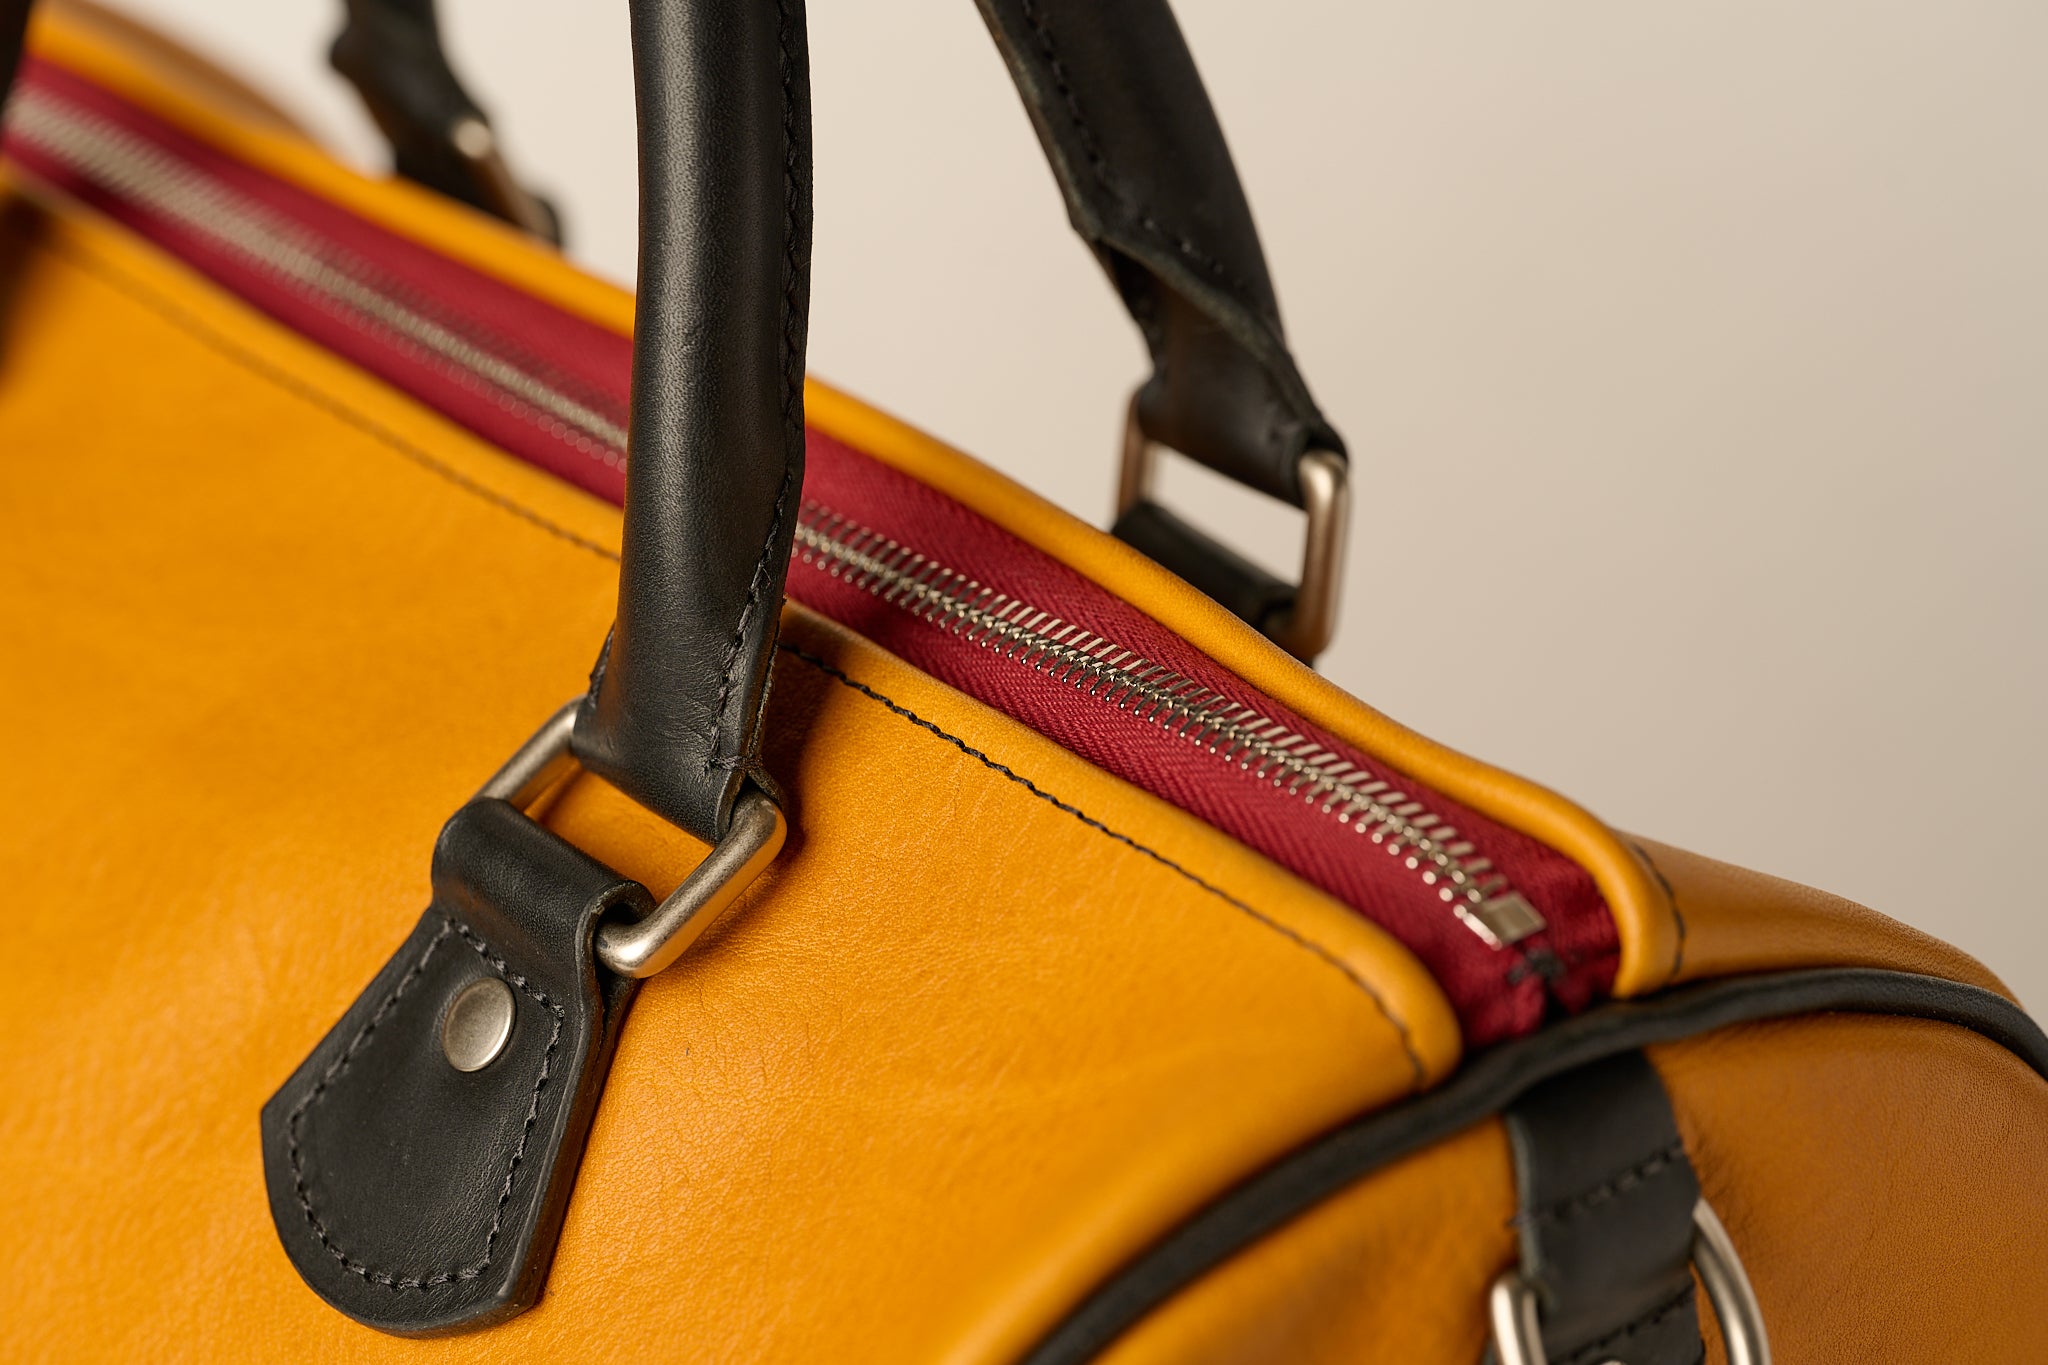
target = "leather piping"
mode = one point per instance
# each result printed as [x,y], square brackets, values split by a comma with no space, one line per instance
[1645,922]
[1486,1085]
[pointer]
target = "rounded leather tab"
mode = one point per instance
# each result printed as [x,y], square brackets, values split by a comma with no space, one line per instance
[420,1198]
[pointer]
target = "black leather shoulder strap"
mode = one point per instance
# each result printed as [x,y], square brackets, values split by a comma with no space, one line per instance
[1149,184]
[717,425]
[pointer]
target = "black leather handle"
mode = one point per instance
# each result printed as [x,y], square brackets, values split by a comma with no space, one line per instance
[390,51]
[717,424]
[717,434]
[1138,153]
[13,27]
[1149,183]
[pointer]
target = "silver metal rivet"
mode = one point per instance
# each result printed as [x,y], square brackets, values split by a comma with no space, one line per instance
[478,1024]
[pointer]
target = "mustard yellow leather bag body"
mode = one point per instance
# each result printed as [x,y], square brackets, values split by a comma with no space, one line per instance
[935,930]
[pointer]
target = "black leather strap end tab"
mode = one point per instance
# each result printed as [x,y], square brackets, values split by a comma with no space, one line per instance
[1217,570]
[1606,1219]
[1149,183]
[716,472]
[420,1199]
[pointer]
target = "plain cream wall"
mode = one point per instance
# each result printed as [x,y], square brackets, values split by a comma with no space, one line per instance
[1694,360]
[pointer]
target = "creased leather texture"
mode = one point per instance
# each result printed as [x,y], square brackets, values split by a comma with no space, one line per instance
[968,1043]
[422,1199]
[1140,157]
[906,1102]
[1882,1180]
[718,415]
[1605,1216]
[1735,920]
[1391,1271]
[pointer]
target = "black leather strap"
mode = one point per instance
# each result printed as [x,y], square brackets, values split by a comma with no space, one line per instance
[1488,1083]
[717,423]
[1148,180]
[1149,184]
[390,50]
[13,29]
[1606,1217]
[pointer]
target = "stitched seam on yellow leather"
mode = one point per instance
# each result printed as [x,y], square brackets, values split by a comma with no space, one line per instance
[385,1279]
[1300,940]
[300,388]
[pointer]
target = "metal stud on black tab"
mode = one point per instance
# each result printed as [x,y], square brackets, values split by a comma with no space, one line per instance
[419,1161]
[478,1024]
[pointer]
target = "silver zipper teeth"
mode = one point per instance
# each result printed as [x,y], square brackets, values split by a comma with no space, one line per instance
[1468,884]
[134,169]
[1390,818]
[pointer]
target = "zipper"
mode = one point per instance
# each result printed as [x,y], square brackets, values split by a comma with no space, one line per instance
[146,175]
[1233,732]
[886,556]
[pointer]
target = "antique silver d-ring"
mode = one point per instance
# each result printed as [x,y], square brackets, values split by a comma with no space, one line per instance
[640,948]
[1518,1336]
[1325,480]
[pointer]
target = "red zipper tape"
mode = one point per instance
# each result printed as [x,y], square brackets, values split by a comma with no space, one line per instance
[570,419]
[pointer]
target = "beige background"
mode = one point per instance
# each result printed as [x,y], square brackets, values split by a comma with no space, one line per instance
[1694,360]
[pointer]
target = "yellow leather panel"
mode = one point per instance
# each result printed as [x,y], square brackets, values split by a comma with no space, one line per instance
[968,1044]
[1883,1181]
[1659,943]
[1648,935]
[1735,920]
[1394,1271]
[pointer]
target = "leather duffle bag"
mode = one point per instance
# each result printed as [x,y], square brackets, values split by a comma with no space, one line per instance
[1048,967]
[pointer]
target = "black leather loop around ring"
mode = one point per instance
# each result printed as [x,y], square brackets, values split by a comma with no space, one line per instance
[1150,185]
[1605,1222]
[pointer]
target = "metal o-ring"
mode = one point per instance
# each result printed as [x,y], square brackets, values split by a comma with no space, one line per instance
[1518,1336]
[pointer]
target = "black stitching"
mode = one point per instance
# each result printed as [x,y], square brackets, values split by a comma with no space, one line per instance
[1595,1350]
[369,1274]
[301,389]
[792,402]
[1565,1210]
[1307,944]
[1677,915]
[1099,164]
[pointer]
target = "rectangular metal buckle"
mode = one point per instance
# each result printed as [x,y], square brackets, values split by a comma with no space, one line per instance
[640,948]
[1305,629]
